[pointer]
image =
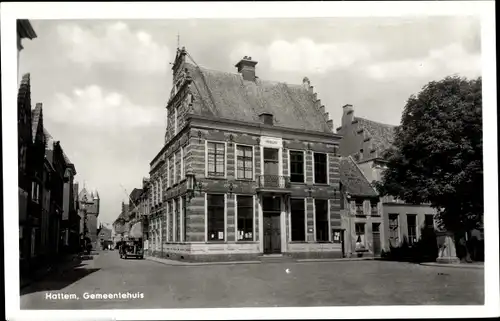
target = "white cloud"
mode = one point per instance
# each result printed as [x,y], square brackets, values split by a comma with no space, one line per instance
[451,59]
[305,55]
[91,107]
[116,44]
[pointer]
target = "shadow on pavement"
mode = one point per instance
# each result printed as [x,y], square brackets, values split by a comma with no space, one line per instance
[58,280]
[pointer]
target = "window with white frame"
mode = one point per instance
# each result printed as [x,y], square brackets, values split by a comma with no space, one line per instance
[215,217]
[172,170]
[244,214]
[178,166]
[320,168]
[216,159]
[169,178]
[244,162]
[297,166]
[160,193]
[177,209]
[184,157]
[176,121]
[321,219]
[298,219]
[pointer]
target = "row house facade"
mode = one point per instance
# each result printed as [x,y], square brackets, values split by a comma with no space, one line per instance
[249,168]
[366,141]
[361,210]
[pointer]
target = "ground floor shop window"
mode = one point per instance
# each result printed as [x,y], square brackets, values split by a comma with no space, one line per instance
[412,228]
[298,219]
[394,229]
[244,217]
[360,236]
[321,217]
[215,217]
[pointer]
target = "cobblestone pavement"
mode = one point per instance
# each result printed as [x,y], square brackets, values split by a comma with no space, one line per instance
[286,284]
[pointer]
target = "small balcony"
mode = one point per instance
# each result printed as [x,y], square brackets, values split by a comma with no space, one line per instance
[273,183]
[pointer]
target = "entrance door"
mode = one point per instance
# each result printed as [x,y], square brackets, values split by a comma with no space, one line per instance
[271,210]
[376,239]
[271,167]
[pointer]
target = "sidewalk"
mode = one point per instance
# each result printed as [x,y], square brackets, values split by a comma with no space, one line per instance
[475,265]
[61,265]
[183,263]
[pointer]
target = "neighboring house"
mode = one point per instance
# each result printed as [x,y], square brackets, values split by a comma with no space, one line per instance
[249,167]
[361,212]
[24,138]
[367,141]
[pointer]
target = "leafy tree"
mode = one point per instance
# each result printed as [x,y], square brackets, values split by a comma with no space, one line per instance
[437,153]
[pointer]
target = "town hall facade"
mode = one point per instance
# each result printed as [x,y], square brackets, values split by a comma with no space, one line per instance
[249,168]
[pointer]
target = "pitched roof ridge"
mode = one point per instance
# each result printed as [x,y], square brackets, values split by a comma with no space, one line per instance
[375,122]
[228,73]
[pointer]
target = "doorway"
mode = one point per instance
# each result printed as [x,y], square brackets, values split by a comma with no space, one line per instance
[271,212]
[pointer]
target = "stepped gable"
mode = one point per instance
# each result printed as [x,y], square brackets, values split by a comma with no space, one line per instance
[381,135]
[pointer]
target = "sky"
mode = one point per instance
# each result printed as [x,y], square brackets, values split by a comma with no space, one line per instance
[104,84]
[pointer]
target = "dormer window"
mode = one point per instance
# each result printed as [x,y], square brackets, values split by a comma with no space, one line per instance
[266,118]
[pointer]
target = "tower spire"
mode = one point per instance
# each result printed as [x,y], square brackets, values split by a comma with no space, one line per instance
[178,40]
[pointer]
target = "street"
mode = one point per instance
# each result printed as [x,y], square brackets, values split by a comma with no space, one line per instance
[146,284]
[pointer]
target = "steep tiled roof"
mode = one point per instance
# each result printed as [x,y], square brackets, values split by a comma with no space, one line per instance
[382,135]
[353,180]
[36,115]
[228,95]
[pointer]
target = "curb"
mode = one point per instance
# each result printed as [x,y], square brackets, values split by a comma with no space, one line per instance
[456,266]
[179,263]
[336,260]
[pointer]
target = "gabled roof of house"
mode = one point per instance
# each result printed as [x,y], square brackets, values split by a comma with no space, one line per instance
[135,194]
[228,95]
[382,135]
[353,180]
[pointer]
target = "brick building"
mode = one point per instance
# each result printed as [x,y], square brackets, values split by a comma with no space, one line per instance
[366,141]
[249,167]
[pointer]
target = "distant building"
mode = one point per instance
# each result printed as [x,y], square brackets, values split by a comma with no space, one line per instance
[89,207]
[249,168]
[366,142]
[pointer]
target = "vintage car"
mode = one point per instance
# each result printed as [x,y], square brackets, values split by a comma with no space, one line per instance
[131,248]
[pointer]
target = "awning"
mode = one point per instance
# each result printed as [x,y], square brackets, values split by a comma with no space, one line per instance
[136,230]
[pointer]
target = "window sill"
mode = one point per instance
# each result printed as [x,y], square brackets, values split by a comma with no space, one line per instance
[248,180]
[218,178]
[246,242]
[298,183]
[297,242]
[321,184]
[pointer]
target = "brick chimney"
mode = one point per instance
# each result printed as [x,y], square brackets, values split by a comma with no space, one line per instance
[246,67]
